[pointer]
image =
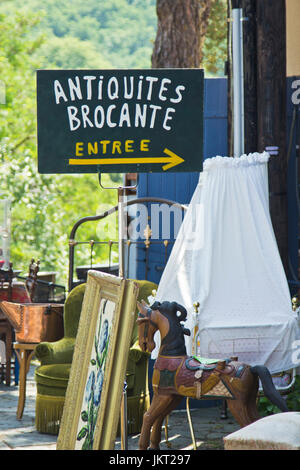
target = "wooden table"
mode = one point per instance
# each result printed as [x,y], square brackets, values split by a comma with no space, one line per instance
[24,352]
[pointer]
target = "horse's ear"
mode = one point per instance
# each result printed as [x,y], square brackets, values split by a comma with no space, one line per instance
[179,308]
[142,307]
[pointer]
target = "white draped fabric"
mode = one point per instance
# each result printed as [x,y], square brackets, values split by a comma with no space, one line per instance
[226,258]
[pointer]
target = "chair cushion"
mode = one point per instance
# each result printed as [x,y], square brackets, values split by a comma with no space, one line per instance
[53,375]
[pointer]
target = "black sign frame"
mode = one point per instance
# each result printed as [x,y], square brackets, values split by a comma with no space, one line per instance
[120,121]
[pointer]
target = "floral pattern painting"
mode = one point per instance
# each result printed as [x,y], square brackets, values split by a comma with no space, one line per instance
[95,377]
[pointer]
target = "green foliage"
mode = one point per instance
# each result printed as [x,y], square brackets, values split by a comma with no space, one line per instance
[266,408]
[121,32]
[71,53]
[44,207]
[215,46]
[69,34]
[293,398]
[16,71]
[114,33]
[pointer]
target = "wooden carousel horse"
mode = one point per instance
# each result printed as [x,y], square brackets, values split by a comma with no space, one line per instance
[177,375]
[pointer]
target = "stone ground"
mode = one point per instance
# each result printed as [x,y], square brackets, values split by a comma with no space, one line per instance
[209,428]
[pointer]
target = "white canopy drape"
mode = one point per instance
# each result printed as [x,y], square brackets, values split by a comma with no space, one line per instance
[226,258]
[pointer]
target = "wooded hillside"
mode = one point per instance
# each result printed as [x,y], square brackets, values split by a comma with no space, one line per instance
[69,34]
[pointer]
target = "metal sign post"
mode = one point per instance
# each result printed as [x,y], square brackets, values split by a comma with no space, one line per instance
[238,81]
[121,215]
[121,230]
[121,219]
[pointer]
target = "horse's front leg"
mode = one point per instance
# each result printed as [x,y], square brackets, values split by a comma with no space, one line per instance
[157,409]
[155,437]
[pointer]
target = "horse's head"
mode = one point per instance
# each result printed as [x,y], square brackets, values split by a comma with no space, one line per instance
[177,311]
[146,326]
[160,316]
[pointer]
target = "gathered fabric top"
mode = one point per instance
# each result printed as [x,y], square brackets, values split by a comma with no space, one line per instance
[230,162]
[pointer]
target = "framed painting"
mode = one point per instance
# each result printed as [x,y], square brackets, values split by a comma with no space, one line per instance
[93,398]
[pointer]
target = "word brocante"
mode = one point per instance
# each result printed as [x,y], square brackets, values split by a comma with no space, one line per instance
[147,101]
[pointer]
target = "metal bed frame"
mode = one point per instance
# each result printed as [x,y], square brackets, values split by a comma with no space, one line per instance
[147,242]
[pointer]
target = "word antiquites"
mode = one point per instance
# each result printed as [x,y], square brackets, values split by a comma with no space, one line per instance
[144,101]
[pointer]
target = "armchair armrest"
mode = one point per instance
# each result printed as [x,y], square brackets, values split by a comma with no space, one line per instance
[58,352]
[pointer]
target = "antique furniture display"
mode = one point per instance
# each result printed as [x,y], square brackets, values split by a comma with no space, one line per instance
[31,279]
[53,374]
[24,354]
[6,277]
[41,285]
[6,280]
[13,291]
[35,322]
[6,335]
[6,330]
[30,323]
[178,375]
[24,321]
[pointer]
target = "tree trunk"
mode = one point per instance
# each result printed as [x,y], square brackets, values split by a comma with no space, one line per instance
[181,29]
[271,110]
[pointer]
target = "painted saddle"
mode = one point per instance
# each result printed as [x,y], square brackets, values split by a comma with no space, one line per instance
[197,377]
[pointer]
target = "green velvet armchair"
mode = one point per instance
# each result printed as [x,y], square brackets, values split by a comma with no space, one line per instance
[55,363]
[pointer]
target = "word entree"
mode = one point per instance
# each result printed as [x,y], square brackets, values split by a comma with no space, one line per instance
[115,147]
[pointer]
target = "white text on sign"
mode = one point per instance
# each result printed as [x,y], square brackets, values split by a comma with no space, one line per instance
[131,113]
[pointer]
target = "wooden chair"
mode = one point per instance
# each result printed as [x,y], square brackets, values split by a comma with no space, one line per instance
[52,375]
[6,330]
[14,292]
[31,280]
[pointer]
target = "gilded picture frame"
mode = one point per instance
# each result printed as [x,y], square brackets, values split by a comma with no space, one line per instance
[93,398]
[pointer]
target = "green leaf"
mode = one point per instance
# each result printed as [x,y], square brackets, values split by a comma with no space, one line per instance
[84,416]
[82,433]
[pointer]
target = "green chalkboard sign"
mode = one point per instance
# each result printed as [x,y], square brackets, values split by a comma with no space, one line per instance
[119,121]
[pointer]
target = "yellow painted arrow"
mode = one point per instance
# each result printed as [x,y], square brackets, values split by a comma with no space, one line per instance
[170,161]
